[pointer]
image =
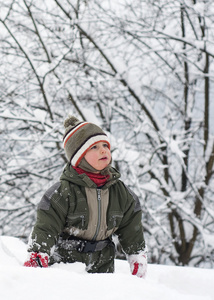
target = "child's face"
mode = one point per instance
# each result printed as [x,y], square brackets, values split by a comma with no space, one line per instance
[99,156]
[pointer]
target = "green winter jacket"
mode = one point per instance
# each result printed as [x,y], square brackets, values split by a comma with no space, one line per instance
[77,207]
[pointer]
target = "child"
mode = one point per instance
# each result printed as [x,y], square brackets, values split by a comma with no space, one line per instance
[78,215]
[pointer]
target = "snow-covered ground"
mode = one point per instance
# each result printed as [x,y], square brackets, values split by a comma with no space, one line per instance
[70,281]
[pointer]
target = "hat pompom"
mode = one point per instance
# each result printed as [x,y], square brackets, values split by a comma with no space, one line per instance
[71,121]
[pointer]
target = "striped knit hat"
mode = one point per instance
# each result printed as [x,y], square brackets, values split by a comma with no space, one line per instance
[79,137]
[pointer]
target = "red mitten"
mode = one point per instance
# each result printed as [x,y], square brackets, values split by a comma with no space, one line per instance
[138,264]
[37,260]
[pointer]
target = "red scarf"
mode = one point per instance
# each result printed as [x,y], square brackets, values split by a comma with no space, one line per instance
[97,178]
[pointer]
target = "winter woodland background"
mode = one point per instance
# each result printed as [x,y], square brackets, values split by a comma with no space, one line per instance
[144,71]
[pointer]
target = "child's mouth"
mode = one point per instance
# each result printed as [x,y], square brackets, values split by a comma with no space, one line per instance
[104,158]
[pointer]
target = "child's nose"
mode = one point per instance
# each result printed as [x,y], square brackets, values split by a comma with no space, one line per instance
[103,149]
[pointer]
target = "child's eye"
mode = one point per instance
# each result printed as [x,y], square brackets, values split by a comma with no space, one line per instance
[94,147]
[105,145]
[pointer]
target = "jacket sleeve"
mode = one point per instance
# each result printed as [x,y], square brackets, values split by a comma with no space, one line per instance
[130,231]
[51,218]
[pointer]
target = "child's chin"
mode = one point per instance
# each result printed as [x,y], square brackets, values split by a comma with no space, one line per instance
[104,165]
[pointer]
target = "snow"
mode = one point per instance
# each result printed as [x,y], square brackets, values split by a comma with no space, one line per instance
[71,281]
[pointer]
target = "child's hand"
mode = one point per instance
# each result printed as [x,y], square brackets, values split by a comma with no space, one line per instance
[37,260]
[138,264]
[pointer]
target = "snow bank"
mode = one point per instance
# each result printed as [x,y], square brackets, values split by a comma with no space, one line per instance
[71,281]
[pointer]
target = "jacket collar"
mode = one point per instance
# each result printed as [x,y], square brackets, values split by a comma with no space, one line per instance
[71,175]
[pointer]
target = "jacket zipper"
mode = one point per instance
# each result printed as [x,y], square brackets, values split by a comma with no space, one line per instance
[99,214]
[114,218]
[82,220]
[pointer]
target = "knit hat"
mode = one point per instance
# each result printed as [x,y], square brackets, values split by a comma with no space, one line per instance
[79,137]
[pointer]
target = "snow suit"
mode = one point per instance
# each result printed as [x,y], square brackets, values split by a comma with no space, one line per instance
[75,209]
